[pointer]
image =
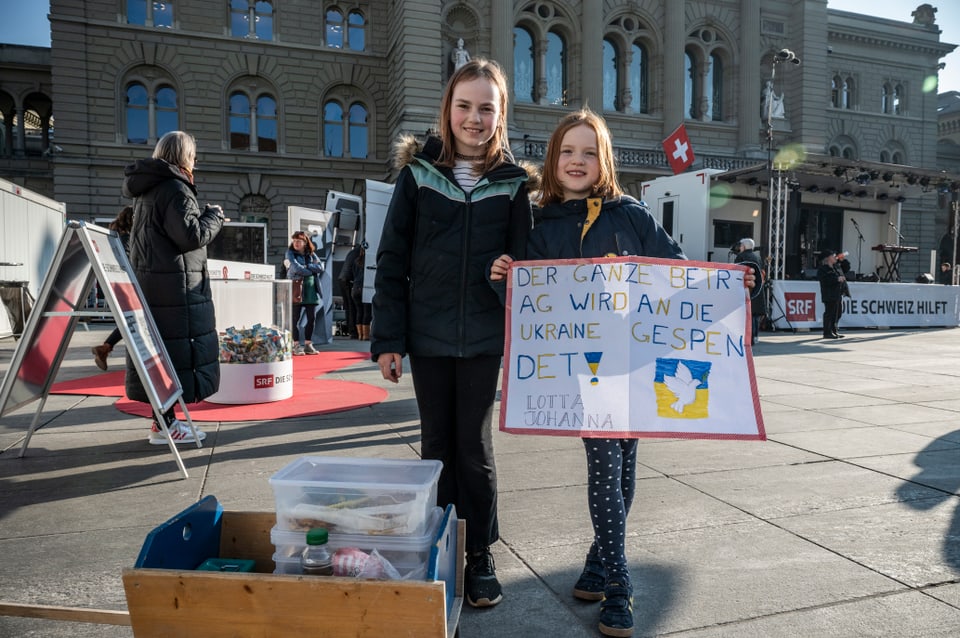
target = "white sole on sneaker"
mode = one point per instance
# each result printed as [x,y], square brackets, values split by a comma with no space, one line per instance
[158,438]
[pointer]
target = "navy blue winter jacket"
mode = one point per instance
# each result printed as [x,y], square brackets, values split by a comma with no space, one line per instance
[624,227]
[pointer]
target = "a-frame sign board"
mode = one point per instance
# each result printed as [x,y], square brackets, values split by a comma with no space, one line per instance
[89,253]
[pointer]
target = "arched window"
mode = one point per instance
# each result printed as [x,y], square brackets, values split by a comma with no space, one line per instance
[847,98]
[843,146]
[150,111]
[886,98]
[893,152]
[358,133]
[611,79]
[168,116]
[350,34]
[332,129]
[150,13]
[897,99]
[706,74]
[523,67]
[715,82]
[638,78]
[334,28]
[138,116]
[691,91]
[251,19]
[345,136]
[556,69]
[239,121]
[835,84]
[266,124]
[252,121]
[356,31]
[541,37]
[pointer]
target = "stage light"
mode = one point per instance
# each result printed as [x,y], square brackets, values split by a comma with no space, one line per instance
[883,197]
[862,194]
[839,172]
[911,179]
[830,190]
[813,189]
[924,181]
[847,193]
[888,177]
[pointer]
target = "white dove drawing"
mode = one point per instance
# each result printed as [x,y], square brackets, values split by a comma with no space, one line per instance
[683,386]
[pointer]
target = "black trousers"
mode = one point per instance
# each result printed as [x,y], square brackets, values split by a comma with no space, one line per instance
[831,317]
[455,397]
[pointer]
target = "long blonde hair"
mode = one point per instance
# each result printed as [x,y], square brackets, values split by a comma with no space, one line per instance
[498,149]
[607,185]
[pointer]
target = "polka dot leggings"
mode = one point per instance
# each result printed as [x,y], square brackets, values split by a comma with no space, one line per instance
[611,483]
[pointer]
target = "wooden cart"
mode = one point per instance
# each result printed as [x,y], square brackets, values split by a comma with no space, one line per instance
[166,596]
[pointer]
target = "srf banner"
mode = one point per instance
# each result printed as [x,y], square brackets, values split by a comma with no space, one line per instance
[629,347]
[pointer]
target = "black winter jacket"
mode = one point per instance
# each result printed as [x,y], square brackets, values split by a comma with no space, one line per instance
[758,301]
[169,259]
[432,297]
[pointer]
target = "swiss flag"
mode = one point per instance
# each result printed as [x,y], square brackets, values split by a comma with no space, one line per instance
[678,150]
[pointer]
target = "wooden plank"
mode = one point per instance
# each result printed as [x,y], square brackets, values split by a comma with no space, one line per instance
[247,535]
[71,614]
[167,603]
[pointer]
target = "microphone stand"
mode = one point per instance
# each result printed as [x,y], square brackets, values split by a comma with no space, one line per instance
[900,238]
[859,247]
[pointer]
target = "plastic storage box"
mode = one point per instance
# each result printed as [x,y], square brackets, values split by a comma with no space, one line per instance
[408,554]
[356,495]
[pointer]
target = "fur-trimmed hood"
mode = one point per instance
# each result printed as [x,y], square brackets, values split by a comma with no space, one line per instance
[407,147]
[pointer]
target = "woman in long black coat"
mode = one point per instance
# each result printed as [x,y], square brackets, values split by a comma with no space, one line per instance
[169,258]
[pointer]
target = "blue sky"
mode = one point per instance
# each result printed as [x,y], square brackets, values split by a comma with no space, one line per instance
[26,23]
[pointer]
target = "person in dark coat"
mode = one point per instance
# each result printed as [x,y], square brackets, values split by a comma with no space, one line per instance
[758,302]
[122,224]
[168,255]
[350,309]
[459,201]
[832,284]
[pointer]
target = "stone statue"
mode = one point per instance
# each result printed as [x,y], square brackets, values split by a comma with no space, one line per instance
[460,55]
[772,104]
[925,15]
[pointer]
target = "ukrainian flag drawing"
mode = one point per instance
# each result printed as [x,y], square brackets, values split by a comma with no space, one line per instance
[681,388]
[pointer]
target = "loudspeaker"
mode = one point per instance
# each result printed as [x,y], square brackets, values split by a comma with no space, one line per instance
[924,278]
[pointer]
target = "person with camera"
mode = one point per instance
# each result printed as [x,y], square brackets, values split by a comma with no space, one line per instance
[748,256]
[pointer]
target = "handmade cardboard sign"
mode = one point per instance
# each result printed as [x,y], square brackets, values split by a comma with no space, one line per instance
[629,347]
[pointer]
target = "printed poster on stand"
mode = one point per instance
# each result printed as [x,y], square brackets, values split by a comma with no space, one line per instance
[629,347]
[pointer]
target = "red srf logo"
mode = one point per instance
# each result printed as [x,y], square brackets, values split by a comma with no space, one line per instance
[678,149]
[801,306]
[261,381]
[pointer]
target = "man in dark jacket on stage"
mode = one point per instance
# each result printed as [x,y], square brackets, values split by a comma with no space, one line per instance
[832,283]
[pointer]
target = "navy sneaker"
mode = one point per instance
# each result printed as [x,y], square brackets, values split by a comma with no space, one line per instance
[616,611]
[590,584]
[480,580]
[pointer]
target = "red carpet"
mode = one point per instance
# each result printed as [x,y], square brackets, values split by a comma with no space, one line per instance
[310,394]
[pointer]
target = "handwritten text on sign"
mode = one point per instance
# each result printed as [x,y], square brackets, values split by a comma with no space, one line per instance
[629,347]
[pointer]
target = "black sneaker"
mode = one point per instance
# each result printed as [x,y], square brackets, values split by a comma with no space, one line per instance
[590,584]
[616,611]
[480,580]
